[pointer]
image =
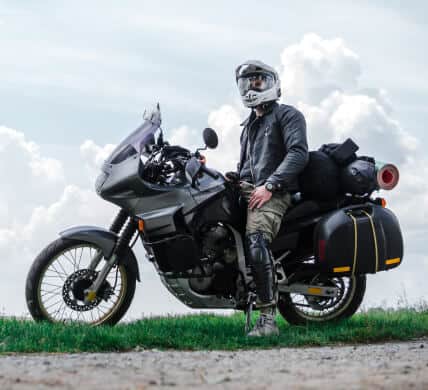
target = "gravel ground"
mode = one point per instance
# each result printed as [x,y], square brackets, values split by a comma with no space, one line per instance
[382,366]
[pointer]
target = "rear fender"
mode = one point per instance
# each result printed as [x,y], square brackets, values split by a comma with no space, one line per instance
[105,240]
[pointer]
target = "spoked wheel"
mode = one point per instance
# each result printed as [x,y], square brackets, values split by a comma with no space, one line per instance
[58,278]
[300,309]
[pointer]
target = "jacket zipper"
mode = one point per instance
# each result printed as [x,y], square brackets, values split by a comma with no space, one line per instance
[250,154]
[252,172]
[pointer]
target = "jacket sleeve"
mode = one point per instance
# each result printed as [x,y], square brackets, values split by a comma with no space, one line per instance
[296,146]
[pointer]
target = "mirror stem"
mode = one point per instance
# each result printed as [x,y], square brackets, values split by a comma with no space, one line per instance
[199,149]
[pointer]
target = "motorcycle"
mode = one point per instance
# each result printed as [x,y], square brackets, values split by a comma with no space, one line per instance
[191,223]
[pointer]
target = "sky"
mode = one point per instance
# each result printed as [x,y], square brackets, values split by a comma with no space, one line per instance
[75,78]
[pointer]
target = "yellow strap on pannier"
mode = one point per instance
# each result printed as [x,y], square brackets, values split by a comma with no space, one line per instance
[355,242]
[374,239]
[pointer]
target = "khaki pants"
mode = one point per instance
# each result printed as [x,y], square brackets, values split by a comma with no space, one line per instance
[268,218]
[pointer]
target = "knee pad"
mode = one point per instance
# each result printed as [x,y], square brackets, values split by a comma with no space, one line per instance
[257,248]
[261,263]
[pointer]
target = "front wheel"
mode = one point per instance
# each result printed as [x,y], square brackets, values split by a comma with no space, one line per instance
[58,278]
[300,309]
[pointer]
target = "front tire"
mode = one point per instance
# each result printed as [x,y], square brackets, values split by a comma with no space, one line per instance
[59,276]
[304,313]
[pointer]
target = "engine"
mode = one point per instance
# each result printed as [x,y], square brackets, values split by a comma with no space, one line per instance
[218,269]
[218,243]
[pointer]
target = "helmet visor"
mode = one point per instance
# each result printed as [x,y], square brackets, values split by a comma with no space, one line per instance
[258,82]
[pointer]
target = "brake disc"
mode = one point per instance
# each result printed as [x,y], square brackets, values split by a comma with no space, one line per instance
[73,291]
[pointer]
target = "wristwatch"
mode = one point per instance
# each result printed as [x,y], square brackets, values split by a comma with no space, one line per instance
[270,187]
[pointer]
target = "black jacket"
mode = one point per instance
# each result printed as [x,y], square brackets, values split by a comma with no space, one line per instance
[278,148]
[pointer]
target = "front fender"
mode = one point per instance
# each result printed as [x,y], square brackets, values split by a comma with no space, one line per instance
[105,240]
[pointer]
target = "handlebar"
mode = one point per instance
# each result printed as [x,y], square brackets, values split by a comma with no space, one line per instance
[210,172]
[175,160]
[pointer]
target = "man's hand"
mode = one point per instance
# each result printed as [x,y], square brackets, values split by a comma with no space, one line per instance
[259,197]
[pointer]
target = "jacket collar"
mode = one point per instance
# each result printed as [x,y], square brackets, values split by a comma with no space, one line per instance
[249,118]
[269,108]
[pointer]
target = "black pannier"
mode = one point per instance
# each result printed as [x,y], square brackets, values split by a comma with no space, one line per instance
[358,240]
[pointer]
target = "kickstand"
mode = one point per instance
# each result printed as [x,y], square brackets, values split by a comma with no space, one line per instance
[249,310]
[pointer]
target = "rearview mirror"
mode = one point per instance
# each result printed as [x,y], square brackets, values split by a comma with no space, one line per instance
[210,138]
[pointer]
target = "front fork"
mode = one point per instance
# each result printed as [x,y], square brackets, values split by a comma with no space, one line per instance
[115,227]
[121,245]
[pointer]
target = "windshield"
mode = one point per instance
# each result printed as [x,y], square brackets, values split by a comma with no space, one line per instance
[139,141]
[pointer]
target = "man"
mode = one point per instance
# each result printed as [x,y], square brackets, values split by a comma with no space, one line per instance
[274,151]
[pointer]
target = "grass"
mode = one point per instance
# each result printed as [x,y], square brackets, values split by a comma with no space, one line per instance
[207,332]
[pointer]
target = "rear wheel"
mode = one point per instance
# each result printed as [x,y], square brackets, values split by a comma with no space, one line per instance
[58,278]
[300,309]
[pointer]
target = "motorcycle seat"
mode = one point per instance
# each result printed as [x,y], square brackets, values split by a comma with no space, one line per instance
[299,215]
[306,208]
[301,209]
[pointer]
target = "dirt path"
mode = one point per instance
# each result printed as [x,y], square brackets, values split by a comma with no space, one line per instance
[384,366]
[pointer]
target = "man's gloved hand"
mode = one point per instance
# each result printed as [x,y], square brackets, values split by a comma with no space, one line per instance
[232,177]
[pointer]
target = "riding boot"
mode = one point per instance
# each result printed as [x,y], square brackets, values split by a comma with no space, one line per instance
[262,268]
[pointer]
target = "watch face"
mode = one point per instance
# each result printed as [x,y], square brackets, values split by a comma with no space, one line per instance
[269,186]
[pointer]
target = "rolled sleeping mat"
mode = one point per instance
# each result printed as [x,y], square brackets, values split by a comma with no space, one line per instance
[387,175]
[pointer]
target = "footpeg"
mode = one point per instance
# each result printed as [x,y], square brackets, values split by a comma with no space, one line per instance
[308,289]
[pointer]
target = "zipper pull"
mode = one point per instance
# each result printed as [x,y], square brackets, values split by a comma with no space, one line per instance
[266,131]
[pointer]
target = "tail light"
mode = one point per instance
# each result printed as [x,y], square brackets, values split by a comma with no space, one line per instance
[387,176]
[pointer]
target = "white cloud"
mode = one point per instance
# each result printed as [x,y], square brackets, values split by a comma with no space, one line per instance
[94,156]
[28,178]
[364,119]
[183,136]
[76,206]
[21,242]
[226,121]
[40,167]
[314,67]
